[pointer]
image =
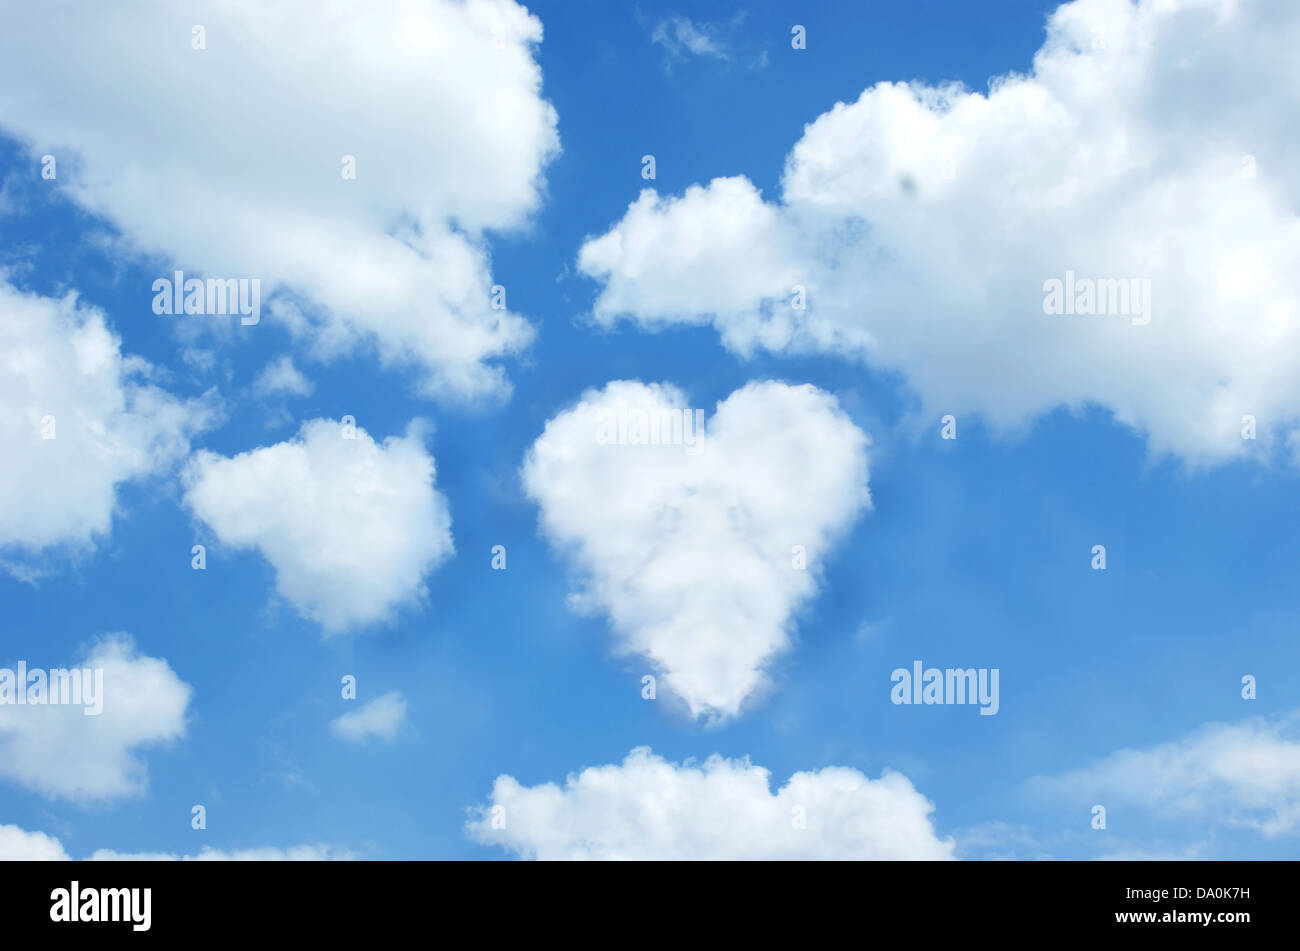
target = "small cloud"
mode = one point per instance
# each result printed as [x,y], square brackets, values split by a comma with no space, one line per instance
[199,359]
[381,718]
[867,632]
[680,35]
[64,751]
[351,526]
[282,377]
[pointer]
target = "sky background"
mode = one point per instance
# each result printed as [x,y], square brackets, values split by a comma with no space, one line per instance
[976,552]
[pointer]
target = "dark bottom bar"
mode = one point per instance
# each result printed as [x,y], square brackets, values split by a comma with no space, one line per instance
[1220,901]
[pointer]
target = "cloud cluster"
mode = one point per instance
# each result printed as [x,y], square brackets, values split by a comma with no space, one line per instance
[1149,143]
[59,752]
[351,526]
[691,549]
[649,808]
[437,103]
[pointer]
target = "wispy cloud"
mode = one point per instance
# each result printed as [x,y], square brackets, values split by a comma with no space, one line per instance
[1244,774]
[680,35]
[381,718]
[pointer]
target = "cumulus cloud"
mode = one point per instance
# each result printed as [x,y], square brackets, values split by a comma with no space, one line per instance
[77,419]
[690,549]
[438,102]
[1149,143]
[1243,774]
[18,845]
[649,808]
[350,526]
[282,377]
[381,718]
[58,751]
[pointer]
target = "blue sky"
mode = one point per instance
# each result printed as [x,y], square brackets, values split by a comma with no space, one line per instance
[976,551]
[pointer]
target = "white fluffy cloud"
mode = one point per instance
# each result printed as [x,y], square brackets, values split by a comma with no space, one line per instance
[58,751]
[1150,141]
[63,375]
[351,526]
[282,376]
[690,549]
[17,844]
[648,808]
[438,101]
[1244,774]
[381,718]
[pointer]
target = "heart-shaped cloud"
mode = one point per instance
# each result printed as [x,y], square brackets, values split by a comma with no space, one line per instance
[699,542]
